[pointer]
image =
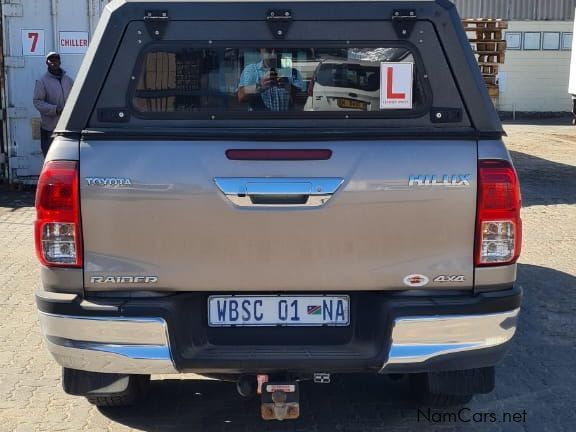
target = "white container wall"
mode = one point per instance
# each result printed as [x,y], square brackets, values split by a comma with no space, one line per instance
[572,84]
[31,29]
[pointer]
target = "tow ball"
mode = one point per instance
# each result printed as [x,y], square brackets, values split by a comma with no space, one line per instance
[280,400]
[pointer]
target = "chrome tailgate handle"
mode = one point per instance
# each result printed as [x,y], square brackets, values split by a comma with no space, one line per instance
[278,188]
[278,191]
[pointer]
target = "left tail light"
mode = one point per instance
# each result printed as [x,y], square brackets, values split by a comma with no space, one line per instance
[57,229]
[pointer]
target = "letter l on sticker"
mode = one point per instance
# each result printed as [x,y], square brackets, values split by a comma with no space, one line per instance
[396,85]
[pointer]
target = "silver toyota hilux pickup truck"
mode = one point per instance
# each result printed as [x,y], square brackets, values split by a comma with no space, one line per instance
[272,192]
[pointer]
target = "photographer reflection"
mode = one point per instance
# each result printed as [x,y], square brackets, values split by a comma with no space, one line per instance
[264,87]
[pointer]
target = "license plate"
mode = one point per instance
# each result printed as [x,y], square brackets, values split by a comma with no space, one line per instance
[245,311]
[352,104]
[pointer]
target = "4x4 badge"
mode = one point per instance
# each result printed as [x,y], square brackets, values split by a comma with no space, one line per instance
[447,278]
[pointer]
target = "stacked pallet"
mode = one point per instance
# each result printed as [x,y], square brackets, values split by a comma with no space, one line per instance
[172,82]
[157,79]
[488,43]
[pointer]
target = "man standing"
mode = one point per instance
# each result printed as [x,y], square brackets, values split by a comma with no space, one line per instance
[262,87]
[50,95]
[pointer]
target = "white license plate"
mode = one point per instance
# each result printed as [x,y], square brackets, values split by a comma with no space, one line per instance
[225,311]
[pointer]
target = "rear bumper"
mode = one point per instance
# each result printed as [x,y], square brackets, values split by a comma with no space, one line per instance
[108,344]
[418,340]
[390,334]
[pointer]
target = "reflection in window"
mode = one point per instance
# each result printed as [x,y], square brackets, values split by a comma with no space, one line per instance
[269,79]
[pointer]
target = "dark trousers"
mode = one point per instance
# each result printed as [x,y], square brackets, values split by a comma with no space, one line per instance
[45,140]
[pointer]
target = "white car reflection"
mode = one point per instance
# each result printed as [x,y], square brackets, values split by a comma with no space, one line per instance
[344,86]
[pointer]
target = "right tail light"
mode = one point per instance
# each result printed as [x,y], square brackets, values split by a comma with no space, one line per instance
[498,223]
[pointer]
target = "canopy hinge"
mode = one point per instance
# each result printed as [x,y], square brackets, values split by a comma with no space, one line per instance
[404,21]
[156,22]
[279,21]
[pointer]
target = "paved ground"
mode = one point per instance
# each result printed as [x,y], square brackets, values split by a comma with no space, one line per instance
[537,377]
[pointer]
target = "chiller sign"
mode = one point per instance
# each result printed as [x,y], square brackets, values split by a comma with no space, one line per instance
[73,42]
[396,85]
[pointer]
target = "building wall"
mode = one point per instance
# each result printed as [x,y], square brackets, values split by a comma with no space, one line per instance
[536,81]
[572,84]
[23,65]
[516,10]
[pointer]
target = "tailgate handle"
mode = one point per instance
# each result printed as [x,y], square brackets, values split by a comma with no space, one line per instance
[278,188]
[278,192]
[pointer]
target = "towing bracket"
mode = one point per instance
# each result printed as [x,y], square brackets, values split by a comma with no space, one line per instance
[280,401]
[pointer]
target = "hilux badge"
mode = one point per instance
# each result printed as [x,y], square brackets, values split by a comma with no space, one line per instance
[416,280]
[454,180]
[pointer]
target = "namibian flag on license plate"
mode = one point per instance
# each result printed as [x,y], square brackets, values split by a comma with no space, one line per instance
[314,310]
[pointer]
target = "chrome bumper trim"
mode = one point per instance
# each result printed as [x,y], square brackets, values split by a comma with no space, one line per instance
[109,344]
[418,339]
[142,346]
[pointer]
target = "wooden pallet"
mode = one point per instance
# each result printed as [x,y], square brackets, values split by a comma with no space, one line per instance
[490,79]
[492,58]
[498,46]
[487,40]
[484,24]
[489,69]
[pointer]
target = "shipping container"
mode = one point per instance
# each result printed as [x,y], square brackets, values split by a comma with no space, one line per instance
[572,85]
[30,30]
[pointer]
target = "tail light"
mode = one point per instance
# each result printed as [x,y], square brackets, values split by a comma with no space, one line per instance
[498,224]
[57,229]
[311,86]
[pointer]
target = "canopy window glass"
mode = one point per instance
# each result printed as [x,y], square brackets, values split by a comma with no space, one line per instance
[186,80]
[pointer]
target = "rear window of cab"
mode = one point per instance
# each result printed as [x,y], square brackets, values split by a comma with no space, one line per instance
[186,81]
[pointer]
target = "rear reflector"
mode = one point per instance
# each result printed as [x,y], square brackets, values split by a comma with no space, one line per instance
[57,228]
[278,155]
[499,227]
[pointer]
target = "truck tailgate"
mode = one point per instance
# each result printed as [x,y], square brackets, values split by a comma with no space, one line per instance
[154,218]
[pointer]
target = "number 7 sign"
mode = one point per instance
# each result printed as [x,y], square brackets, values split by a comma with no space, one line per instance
[33,42]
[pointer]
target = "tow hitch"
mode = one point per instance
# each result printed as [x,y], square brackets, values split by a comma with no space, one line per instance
[280,394]
[280,400]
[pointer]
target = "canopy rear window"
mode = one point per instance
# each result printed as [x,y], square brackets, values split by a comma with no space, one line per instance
[184,81]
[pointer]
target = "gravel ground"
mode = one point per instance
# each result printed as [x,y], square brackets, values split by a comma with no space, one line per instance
[536,380]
